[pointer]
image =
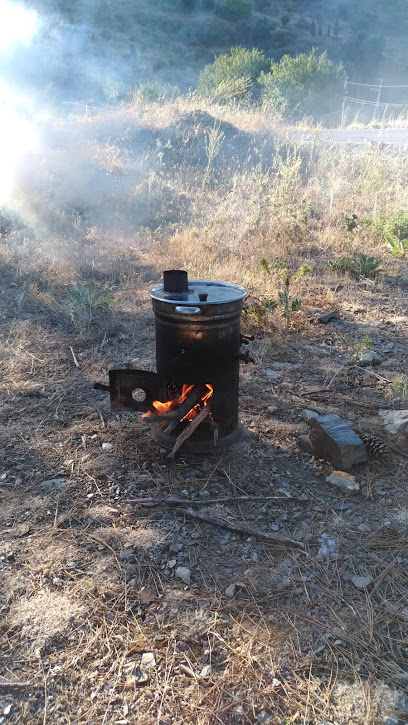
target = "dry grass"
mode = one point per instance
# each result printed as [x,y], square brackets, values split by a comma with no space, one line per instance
[299,643]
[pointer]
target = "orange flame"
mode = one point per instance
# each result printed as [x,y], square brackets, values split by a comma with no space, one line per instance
[162,408]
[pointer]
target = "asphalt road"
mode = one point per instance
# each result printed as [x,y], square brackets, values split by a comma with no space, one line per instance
[360,135]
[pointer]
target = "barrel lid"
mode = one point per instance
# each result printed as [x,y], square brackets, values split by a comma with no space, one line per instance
[201,293]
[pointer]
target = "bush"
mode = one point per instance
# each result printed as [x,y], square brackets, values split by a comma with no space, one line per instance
[154,92]
[397,225]
[230,71]
[307,85]
[234,9]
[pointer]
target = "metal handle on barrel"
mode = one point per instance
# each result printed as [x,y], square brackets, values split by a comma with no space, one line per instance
[184,310]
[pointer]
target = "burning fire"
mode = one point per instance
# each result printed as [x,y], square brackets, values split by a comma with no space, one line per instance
[162,408]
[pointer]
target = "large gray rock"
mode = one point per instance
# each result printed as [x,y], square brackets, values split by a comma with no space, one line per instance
[334,440]
[396,427]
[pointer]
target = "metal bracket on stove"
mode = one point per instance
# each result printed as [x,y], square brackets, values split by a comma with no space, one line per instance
[122,384]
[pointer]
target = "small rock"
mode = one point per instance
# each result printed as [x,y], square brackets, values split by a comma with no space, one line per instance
[184,574]
[396,425]
[361,582]
[53,484]
[328,546]
[206,671]
[309,414]
[334,440]
[172,563]
[344,481]
[370,357]
[272,374]
[332,315]
[22,529]
[230,591]
[352,416]
[233,588]
[175,548]
[7,710]
[148,660]
[107,447]
[263,717]
[304,444]
[272,408]
[185,493]
[275,527]
[138,677]
[126,554]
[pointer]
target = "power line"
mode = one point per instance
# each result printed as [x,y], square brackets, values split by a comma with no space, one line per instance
[370,85]
[374,103]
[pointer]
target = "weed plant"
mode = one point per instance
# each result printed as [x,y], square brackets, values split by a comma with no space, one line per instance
[85,302]
[285,299]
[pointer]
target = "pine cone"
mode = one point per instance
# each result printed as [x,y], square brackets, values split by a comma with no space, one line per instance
[375,447]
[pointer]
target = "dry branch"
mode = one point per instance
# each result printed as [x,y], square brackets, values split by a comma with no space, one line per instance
[172,501]
[271,538]
[11,685]
[176,414]
[74,357]
[191,400]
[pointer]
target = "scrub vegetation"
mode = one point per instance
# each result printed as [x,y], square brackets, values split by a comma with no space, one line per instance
[90,595]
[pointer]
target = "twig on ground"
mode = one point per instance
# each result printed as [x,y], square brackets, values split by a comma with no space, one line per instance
[172,501]
[341,389]
[272,538]
[11,685]
[74,357]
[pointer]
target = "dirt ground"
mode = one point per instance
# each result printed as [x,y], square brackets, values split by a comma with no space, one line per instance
[89,590]
[116,612]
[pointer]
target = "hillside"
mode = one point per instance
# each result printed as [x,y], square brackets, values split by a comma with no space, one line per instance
[102,50]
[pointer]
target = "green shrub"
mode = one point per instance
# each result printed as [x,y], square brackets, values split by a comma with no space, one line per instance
[306,85]
[229,70]
[234,9]
[397,225]
[285,297]
[84,304]
[361,266]
[155,92]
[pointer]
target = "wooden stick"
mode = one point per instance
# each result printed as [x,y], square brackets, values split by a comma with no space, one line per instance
[175,415]
[342,389]
[187,432]
[76,363]
[11,685]
[172,501]
[191,400]
[271,538]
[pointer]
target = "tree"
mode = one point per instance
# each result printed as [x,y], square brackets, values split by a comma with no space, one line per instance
[235,73]
[234,9]
[306,85]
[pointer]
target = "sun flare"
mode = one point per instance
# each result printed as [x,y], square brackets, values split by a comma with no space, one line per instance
[18,24]
[17,131]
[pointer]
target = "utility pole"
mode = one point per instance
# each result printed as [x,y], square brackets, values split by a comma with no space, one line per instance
[377,103]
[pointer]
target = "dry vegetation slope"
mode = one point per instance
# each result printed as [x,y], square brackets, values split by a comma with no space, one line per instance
[88,584]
